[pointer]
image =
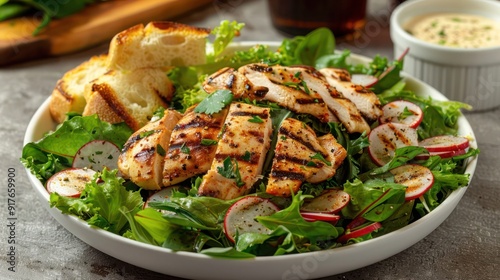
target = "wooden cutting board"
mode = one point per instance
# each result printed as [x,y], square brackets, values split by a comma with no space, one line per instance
[94,25]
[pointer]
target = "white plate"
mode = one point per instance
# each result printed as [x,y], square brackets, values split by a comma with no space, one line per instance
[297,266]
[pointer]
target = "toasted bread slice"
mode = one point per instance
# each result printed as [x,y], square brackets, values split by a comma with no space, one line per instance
[68,95]
[131,96]
[158,44]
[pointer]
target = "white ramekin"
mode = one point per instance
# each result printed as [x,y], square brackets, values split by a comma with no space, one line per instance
[468,75]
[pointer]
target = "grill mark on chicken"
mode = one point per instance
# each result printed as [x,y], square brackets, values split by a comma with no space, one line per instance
[188,133]
[263,116]
[139,160]
[245,143]
[145,155]
[291,134]
[279,175]
[238,84]
[295,159]
[365,100]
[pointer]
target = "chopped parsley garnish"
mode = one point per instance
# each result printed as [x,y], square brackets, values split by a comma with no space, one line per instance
[247,156]
[405,114]
[215,102]
[320,157]
[160,150]
[185,149]
[256,119]
[230,170]
[146,133]
[300,85]
[208,142]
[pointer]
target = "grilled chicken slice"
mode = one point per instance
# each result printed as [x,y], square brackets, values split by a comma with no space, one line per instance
[192,146]
[238,84]
[299,157]
[345,110]
[240,154]
[143,154]
[336,155]
[365,100]
[287,90]
[302,89]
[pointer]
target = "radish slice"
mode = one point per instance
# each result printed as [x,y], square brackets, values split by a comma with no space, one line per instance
[401,111]
[97,155]
[359,232]
[364,80]
[445,143]
[240,217]
[446,154]
[161,196]
[316,216]
[330,201]
[70,182]
[386,138]
[418,179]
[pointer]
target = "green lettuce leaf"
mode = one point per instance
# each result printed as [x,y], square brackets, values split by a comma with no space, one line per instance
[102,203]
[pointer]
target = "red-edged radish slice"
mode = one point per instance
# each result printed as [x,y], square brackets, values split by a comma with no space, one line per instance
[70,182]
[97,155]
[359,232]
[417,179]
[402,111]
[316,216]
[161,196]
[446,154]
[330,201]
[240,217]
[364,80]
[386,138]
[444,143]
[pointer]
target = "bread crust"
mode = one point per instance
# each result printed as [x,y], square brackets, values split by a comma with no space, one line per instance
[68,94]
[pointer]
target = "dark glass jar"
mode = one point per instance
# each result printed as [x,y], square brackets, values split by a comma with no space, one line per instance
[298,17]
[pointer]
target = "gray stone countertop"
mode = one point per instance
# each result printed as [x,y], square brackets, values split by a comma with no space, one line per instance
[465,246]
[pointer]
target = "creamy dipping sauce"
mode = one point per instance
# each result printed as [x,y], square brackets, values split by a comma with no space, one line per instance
[456,30]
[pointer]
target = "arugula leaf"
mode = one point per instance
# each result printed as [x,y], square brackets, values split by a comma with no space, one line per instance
[152,224]
[316,44]
[401,156]
[215,102]
[291,219]
[370,197]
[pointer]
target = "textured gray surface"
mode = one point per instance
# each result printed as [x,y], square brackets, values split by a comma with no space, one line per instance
[465,246]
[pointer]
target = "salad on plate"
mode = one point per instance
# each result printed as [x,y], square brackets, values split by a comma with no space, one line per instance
[305,150]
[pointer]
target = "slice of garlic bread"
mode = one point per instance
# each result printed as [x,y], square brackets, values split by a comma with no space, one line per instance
[131,96]
[68,95]
[158,44]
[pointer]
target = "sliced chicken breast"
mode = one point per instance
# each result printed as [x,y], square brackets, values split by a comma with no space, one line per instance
[336,155]
[287,90]
[299,156]
[192,146]
[238,84]
[142,157]
[365,100]
[240,154]
[345,110]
